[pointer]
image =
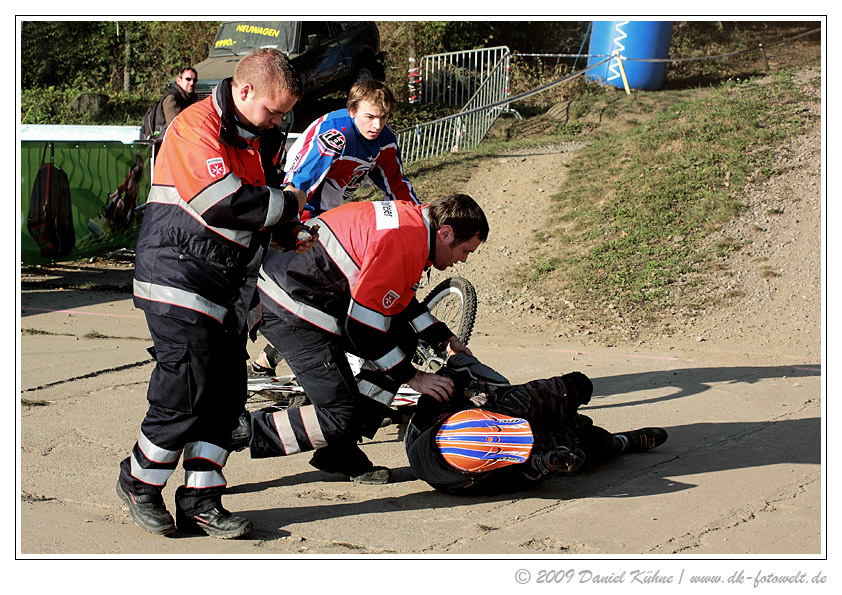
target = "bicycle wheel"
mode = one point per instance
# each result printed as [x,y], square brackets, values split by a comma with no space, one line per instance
[275,393]
[454,302]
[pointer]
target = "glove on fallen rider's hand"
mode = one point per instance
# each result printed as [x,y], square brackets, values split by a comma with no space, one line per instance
[509,400]
[286,234]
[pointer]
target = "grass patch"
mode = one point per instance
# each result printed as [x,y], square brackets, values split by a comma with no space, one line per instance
[30,497]
[92,334]
[643,200]
[768,273]
[543,267]
[36,331]
[96,335]
[658,174]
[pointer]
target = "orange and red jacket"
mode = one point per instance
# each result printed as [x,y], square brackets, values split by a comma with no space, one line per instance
[209,215]
[360,276]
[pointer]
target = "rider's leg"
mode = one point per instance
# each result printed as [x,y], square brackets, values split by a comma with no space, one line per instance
[266,361]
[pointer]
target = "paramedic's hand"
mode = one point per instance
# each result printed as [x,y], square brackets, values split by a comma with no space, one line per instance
[299,194]
[438,387]
[453,345]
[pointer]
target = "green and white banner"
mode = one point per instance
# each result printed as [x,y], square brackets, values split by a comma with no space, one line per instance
[81,198]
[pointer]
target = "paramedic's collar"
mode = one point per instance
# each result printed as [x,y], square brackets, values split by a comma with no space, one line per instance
[231,131]
[431,256]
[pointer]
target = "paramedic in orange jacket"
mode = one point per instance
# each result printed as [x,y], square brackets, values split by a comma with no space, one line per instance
[215,202]
[354,292]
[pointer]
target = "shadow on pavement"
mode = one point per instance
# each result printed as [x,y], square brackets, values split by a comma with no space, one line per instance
[688,382]
[692,449]
[69,286]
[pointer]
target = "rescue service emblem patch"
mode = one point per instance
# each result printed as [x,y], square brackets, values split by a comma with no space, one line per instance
[390,298]
[216,167]
[331,142]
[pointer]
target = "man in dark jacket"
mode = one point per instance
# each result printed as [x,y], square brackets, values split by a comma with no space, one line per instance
[493,436]
[179,95]
[215,202]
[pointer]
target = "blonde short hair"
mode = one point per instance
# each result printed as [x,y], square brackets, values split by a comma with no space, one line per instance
[268,71]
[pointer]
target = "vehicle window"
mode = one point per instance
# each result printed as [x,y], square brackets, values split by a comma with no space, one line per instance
[243,37]
[345,25]
[308,28]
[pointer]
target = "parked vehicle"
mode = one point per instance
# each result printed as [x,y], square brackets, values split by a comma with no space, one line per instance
[328,55]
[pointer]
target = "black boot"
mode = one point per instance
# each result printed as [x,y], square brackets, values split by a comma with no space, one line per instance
[148,511]
[350,460]
[258,370]
[216,522]
[641,440]
[241,436]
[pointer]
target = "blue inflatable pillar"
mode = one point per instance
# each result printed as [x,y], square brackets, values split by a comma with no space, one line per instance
[634,39]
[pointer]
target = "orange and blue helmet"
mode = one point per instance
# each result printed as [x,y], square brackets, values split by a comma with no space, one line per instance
[477,441]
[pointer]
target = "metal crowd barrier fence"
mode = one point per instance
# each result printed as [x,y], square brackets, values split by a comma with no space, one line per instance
[466,129]
[453,78]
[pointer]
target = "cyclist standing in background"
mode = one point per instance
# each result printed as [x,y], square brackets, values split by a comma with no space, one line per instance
[340,149]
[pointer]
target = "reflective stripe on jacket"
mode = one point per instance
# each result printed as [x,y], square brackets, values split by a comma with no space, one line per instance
[206,224]
[362,274]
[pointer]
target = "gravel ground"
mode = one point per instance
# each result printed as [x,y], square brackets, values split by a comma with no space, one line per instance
[740,475]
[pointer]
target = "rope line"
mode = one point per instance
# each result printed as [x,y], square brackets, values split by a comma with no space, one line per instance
[507,100]
[760,48]
[564,79]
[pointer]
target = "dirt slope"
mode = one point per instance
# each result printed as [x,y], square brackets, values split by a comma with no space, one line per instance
[767,296]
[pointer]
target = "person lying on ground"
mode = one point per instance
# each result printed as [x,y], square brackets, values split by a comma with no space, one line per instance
[493,436]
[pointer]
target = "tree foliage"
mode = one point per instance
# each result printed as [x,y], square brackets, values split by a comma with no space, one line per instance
[61,59]
[91,55]
[131,62]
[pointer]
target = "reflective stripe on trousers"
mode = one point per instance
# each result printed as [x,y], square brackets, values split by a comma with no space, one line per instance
[304,424]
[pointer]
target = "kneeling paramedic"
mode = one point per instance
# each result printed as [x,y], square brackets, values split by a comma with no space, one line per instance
[354,292]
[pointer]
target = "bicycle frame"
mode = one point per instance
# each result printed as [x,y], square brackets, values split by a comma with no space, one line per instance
[286,384]
[428,359]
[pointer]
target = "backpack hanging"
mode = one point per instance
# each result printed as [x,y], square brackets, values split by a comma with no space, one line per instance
[50,220]
[154,121]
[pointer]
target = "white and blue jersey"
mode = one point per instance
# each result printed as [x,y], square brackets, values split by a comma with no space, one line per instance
[331,158]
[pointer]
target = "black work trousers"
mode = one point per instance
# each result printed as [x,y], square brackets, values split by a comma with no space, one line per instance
[196,393]
[339,414]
